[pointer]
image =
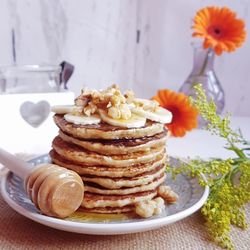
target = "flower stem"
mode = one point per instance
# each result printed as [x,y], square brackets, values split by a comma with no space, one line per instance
[237,151]
[204,65]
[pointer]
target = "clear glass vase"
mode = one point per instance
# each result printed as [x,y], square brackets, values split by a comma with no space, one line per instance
[203,73]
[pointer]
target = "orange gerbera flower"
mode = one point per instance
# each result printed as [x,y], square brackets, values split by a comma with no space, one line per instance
[184,114]
[220,29]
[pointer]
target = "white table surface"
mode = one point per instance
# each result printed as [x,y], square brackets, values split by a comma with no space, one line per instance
[201,143]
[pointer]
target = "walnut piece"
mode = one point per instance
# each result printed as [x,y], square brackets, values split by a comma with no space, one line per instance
[82,101]
[90,109]
[110,99]
[160,205]
[85,97]
[167,194]
[114,112]
[117,99]
[120,112]
[125,111]
[145,209]
[149,208]
[129,95]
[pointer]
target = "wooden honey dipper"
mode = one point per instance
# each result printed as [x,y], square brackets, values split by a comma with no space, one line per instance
[55,190]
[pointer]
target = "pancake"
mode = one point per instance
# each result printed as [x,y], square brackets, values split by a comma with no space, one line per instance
[124,191]
[119,166]
[116,147]
[98,170]
[75,153]
[109,210]
[106,131]
[115,183]
[91,200]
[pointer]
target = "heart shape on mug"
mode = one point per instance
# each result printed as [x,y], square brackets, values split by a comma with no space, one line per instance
[35,113]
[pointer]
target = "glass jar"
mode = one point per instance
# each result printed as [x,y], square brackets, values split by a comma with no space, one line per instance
[203,73]
[29,79]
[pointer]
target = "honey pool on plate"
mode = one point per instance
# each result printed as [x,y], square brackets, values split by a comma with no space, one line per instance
[81,216]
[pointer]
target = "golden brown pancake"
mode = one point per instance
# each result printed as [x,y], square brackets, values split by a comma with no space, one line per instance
[91,200]
[115,183]
[98,170]
[97,189]
[77,154]
[106,131]
[120,146]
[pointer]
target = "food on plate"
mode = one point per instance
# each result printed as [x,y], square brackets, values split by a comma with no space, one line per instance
[117,144]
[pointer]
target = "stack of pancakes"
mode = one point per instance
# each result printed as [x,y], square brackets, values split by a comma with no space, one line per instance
[119,166]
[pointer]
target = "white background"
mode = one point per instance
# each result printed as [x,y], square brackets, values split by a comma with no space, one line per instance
[99,38]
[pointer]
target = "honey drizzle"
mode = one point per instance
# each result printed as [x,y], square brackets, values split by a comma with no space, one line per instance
[81,216]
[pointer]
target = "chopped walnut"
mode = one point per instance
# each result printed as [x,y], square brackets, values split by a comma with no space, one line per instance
[110,99]
[113,86]
[145,209]
[85,97]
[149,208]
[117,100]
[159,201]
[167,194]
[109,105]
[125,111]
[129,95]
[90,109]
[160,205]
[122,112]
[114,112]
[82,101]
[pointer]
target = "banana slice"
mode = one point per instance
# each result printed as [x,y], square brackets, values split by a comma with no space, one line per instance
[82,120]
[139,102]
[160,115]
[64,109]
[133,122]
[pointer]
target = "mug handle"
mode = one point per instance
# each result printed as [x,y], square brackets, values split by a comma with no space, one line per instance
[66,73]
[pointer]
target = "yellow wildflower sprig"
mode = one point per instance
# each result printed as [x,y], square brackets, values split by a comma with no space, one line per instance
[216,124]
[225,204]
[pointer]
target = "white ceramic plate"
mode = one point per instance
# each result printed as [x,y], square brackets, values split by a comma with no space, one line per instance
[191,197]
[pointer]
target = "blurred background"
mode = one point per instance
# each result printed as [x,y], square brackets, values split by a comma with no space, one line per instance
[140,44]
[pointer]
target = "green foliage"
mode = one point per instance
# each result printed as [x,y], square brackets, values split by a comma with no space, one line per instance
[229,180]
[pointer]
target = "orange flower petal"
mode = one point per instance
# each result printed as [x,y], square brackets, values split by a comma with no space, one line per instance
[220,29]
[184,114]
